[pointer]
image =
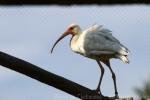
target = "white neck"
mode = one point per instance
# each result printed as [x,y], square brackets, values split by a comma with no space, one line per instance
[73,42]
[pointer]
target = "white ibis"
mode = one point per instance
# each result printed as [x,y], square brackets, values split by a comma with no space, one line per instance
[99,44]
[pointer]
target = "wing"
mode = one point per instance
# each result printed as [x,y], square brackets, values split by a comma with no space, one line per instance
[100,40]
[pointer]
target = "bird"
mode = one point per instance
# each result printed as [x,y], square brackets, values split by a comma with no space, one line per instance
[97,43]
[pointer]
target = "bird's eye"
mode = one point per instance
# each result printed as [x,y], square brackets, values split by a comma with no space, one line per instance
[71,28]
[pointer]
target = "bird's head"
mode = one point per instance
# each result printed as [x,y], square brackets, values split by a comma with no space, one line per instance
[73,29]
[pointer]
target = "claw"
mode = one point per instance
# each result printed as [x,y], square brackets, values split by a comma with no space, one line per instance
[115,97]
[98,91]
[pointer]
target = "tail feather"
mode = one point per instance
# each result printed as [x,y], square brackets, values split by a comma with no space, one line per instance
[123,54]
[123,58]
[123,51]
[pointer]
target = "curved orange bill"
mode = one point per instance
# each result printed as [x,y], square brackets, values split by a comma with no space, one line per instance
[62,36]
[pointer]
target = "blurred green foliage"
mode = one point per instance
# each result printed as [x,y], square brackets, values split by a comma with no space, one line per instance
[143,92]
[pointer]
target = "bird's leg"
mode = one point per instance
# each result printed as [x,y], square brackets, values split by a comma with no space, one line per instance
[113,77]
[101,77]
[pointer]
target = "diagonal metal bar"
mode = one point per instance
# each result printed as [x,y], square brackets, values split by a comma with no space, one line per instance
[48,78]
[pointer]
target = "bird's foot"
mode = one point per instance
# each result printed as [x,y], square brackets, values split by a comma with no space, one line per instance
[115,97]
[98,91]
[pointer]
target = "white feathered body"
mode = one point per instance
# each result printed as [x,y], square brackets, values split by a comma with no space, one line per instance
[98,43]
